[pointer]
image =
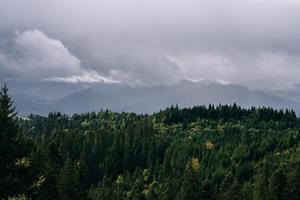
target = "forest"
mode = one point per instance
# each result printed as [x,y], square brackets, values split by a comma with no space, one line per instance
[215,152]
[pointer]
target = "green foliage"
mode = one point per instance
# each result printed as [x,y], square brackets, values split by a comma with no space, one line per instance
[230,189]
[173,154]
[207,192]
[261,190]
[277,184]
[190,188]
[14,151]
[69,182]
[294,184]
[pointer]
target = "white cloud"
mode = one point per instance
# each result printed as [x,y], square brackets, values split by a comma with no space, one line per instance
[36,56]
[87,77]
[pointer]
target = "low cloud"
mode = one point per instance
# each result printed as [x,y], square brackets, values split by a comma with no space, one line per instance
[86,77]
[260,70]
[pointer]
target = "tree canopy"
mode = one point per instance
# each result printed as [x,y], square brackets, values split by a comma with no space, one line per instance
[203,152]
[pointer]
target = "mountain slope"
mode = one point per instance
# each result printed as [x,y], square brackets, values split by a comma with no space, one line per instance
[43,97]
[151,99]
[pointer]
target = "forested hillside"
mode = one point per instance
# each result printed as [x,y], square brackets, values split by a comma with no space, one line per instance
[215,152]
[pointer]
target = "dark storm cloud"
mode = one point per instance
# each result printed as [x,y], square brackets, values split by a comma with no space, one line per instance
[251,42]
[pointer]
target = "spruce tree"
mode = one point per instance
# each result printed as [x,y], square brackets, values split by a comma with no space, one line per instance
[151,192]
[277,185]
[14,151]
[206,192]
[69,182]
[261,189]
[190,188]
[230,189]
[294,184]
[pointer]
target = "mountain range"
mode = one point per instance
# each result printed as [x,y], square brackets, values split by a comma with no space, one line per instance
[42,97]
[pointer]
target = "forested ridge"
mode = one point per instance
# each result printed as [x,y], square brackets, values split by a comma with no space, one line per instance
[215,152]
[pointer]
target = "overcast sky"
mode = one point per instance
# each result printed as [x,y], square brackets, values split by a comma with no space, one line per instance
[249,42]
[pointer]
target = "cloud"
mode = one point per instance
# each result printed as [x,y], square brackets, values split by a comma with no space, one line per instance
[252,42]
[87,77]
[35,56]
[261,70]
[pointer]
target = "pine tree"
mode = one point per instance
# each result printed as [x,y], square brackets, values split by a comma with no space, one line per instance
[81,170]
[120,187]
[261,189]
[168,192]
[206,192]
[294,185]
[14,151]
[51,170]
[151,192]
[136,192]
[191,184]
[68,183]
[277,185]
[247,191]
[230,189]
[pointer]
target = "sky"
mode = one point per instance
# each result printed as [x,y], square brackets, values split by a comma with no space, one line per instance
[255,43]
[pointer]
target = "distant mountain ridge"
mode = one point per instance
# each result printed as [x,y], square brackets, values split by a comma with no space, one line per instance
[44,97]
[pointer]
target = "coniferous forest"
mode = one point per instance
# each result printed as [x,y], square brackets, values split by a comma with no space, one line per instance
[220,152]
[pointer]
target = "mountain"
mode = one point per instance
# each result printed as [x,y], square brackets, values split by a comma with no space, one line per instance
[37,96]
[154,98]
[42,97]
[289,93]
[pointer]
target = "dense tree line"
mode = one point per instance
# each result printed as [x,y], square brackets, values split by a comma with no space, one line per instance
[215,152]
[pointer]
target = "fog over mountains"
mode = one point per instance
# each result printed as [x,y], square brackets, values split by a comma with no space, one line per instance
[42,97]
[81,56]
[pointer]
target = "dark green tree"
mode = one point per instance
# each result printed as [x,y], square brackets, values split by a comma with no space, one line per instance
[69,182]
[14,151]
[190,188]
[294,184]
[230,189]
[277,185]
[51,170]
[151,192]
[261,189]
[136,192]
[206,191]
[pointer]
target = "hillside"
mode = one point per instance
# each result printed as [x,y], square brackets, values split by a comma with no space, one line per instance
[223,152]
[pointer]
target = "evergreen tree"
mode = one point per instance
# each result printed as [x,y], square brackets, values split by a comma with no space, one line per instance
[14,151]
[151,192]
[261,189]
[190,188]
[247,191]
[120,187]
[206,192]
[168,192]
[68,183]
[230,189]
[51,171]
[277,185]
[101,193]
[136,192]
[294,184]
[81,170]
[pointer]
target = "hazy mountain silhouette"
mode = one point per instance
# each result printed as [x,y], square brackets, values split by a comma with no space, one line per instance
[44,97]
